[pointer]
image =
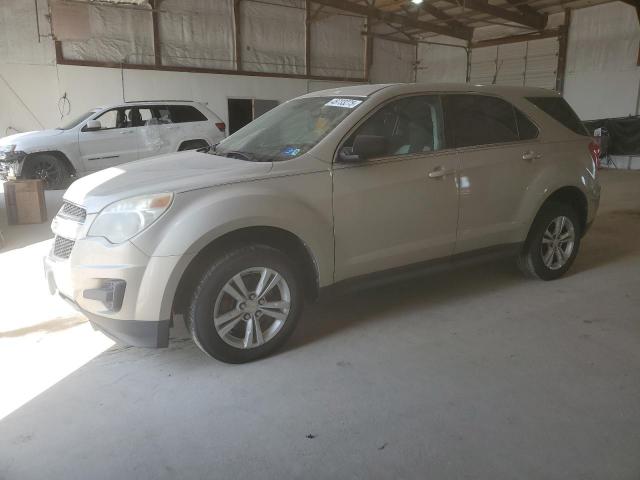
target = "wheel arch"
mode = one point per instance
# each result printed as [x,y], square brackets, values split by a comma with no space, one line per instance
[56,153]
[570,195]
[574,197]
[279,238]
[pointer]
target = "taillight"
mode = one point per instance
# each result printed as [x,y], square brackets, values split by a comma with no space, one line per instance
[221,126]
[594,151]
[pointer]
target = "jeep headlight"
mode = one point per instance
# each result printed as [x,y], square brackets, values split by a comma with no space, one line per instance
[124,219]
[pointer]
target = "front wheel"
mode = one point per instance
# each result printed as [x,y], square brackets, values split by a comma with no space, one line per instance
[48,168]
[245,305]
[552,244]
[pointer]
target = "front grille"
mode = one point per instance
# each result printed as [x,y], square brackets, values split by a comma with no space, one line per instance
[62,247]
[73,212]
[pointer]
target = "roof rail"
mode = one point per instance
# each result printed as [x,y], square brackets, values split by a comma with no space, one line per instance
[156,101]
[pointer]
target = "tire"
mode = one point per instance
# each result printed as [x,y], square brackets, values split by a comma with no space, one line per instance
[211,303]
[48,168]
[546,254]
[192,145]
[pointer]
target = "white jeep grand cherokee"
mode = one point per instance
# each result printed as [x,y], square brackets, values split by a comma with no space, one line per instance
[108,136]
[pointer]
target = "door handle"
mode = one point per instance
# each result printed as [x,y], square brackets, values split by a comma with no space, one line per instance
[531,155]
[439,172]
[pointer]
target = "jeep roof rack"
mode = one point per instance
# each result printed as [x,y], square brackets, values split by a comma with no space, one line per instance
[156,101]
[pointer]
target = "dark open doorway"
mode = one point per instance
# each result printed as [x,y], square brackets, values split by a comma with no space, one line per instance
[240,113]
[244,110]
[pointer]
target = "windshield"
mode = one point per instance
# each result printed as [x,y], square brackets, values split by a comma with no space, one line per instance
[289,130]
[74,122]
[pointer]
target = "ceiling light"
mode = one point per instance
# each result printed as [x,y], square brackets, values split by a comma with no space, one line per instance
[416,2]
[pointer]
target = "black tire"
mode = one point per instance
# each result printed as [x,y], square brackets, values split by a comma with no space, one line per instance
[200,314]
[48,168]
[192,145]
[531,261]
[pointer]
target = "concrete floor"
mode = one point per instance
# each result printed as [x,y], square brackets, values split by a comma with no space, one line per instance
[475,373]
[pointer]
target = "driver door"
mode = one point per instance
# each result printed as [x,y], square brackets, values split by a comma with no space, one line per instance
[400,205]
[116,142]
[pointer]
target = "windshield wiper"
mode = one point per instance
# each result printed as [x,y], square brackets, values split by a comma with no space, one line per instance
[239,155]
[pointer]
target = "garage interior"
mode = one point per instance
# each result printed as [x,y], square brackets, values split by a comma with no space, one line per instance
[475,372]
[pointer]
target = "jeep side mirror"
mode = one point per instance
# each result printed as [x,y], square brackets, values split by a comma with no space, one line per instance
[92,126]
[364,148]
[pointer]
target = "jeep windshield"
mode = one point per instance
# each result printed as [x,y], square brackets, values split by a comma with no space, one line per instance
[74,122]
[288,130]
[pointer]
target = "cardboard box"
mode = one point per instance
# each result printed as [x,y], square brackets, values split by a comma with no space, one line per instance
[24,201]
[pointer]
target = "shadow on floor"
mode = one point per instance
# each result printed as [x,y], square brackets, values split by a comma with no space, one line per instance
[610,240]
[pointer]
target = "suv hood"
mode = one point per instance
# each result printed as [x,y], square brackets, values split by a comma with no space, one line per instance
[29,139]
[175,172]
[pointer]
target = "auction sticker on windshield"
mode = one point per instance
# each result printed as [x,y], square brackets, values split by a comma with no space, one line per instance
[343,102]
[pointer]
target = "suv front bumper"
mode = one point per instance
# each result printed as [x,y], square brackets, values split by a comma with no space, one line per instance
[11,164]
[117,287]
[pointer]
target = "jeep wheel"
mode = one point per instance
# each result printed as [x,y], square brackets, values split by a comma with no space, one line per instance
[48,168]
[552,244]
[246,304]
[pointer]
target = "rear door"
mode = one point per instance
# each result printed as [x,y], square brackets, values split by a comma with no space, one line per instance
[499,152]
[170,126]
[116,142]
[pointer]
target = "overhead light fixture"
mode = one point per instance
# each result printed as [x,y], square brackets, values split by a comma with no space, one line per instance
[416,2]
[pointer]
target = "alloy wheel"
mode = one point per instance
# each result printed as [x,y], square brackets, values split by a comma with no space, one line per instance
[558,242]
[48,171]
[252,307]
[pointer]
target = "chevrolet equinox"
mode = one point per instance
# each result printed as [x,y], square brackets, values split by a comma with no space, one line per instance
[326,189]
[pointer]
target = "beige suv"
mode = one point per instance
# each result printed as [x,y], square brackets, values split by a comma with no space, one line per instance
[329,188]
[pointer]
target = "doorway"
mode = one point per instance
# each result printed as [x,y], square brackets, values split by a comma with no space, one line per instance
[244,110]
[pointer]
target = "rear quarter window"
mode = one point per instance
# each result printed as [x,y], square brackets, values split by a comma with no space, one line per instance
[558,109]
[186,113]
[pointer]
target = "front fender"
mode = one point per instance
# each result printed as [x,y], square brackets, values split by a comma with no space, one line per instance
[299,204]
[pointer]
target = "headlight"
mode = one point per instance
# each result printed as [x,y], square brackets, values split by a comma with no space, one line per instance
[124,219]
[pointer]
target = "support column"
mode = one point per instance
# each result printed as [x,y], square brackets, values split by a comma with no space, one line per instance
[155,4]
[307,37]
[563,40]
[237,35]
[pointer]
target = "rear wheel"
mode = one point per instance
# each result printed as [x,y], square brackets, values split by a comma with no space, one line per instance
[553,242]
[48,168]
[245,305]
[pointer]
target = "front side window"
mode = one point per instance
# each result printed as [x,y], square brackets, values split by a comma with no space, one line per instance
[408,126]
[288,130]
[115,118]
[125,118]
[480,120]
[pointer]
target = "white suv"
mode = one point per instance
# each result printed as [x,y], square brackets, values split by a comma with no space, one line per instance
[108,136]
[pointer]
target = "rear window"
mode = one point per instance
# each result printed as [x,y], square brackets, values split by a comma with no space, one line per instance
[559,109]
[185,113]
[526,129]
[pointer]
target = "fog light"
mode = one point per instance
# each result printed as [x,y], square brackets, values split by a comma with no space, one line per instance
[110,294]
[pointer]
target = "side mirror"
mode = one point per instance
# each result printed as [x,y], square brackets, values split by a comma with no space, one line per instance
[364,148]
[92,126]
